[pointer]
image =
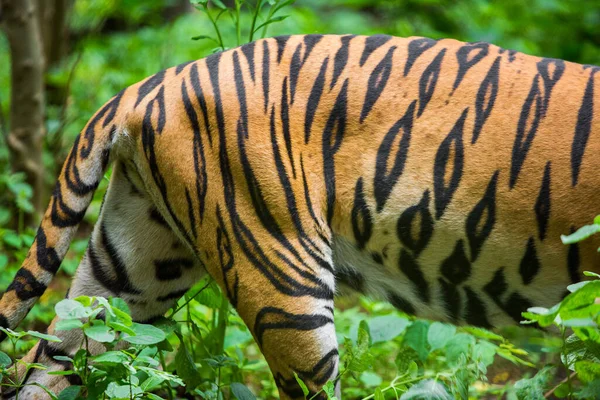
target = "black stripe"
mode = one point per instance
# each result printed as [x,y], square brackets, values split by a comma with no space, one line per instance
[168,270]
[191,215]
[443,166]
[583,128]
[362,220]
[451,298]
[530,263]
[313,100]
[269,318]
[265,73]
[199,92]
[408,218]
[285,123]
[26,286]
[486,97]
[467,56]
[475,313]
[281,43]
[477,228]
[340,60]
[410,267]
[248,52]
[401,303]
[372,43]
[417,47]
[122,281]
[149,85]
[46,257]
[295,65]
[172,295]
[332,140]
[181,67]
[526,129]
[226,260]
[310,41]
[543,204]
[549,78]
[199,159]
[456,268]
[428,81]
[388,166]
[377,82]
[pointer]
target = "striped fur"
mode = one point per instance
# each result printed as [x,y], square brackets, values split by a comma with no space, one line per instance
[437,175]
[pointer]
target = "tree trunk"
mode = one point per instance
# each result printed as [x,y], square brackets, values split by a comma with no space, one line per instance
[52,18]
[27,93]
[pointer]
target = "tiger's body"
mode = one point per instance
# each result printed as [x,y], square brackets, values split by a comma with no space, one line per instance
[437,175]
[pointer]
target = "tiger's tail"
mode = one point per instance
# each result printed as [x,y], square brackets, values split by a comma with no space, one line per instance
[73,193]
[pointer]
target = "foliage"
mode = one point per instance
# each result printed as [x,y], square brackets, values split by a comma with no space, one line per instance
[205,350]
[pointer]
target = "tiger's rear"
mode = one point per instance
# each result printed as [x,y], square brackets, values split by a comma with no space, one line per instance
[437,175]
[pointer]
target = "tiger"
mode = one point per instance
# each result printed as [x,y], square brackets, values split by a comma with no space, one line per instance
[435,175]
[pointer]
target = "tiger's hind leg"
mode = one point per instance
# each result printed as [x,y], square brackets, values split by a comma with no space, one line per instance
[132,254]
[283,289]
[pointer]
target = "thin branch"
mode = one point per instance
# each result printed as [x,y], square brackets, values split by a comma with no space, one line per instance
[551,391]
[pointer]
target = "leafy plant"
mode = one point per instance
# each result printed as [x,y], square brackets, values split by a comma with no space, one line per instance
[260,19]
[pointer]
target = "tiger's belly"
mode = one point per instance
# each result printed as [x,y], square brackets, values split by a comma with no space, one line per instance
[442,272]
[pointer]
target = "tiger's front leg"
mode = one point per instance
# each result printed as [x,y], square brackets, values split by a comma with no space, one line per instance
[283,289]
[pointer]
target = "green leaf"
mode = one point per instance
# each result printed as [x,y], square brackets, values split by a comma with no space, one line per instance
[416,338]
[534,388]
[3,261]
[481,333]
[302,385]
[68,324]
[45,389]
[460,344]
[405,358]
[202,37]
[63,358]
[69,309]
[427,390]
[592,274]
[69,393]
[379,394]
[439,334]
[581,304]
[581,234]
[241,392]
[358,356]
[145,334]
[186,368]
[219,4]
[100,333]
[271,21]
[5,360]
[387,327]
[576,286]
[117,326]
[112,357]
[543,316]
[370,379]
[12,239]
[329,389]
[44,336]
[587,371]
